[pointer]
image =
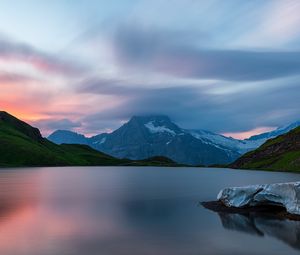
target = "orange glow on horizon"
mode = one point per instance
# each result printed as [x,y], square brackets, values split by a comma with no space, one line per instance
[21,112]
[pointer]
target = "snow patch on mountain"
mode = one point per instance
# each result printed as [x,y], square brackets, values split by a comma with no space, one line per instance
[103,140]
[220,141]
[158,129]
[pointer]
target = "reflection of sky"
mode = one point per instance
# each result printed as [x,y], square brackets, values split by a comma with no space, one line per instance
[123,211]
[227,66]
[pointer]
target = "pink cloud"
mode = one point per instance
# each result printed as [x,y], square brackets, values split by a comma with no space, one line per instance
[48,63]
[249,133]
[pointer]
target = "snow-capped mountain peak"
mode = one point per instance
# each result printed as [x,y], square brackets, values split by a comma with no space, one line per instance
[146,136]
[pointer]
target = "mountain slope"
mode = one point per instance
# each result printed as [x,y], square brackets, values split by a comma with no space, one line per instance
[229,143]
[67,137]
[280,153]
[23,145]
[241,146]
[148,136]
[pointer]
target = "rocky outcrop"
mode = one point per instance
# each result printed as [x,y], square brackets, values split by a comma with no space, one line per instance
[286,195]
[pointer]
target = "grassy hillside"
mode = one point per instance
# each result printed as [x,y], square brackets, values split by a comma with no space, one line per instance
[281,153]
[23,145]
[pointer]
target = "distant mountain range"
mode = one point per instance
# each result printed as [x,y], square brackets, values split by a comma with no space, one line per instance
[23,145]
[147,136]
[280,153]
[150,140]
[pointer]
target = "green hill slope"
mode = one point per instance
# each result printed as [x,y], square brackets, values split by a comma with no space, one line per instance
[23,145]
[281,153]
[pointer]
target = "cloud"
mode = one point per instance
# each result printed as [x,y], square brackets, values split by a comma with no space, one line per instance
[247,134]
[168,52]
[105,86]
[190,64]
[14,78]
[48,63]
[265,105]
[277,26]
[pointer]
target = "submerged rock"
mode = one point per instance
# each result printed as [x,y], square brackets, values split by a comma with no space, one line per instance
[286,195]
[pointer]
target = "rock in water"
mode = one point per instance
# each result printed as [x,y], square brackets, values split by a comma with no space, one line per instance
[281,194]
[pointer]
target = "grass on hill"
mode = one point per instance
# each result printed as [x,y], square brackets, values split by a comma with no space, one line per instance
[281,154]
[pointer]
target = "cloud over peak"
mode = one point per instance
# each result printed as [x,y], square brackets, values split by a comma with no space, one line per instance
[175,53]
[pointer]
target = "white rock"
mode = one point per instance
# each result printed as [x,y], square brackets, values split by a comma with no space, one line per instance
[283,194]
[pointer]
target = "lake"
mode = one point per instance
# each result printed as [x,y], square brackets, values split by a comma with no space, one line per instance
[133,211]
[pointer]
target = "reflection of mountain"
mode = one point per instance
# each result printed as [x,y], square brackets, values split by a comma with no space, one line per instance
[285,230]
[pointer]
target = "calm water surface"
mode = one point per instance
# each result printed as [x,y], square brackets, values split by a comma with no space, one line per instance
[133,211]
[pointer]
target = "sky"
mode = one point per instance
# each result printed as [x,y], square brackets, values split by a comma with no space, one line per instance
[231,67]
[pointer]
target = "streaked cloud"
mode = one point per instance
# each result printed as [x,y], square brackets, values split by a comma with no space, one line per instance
[11,51]
[226,66]
[278,26]
[197,107]
[174,54]
[6,77]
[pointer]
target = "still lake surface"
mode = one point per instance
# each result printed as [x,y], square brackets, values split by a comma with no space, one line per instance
[133,211]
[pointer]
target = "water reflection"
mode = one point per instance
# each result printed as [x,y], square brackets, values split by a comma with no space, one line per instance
[18,191]
[285,230]
[134,211]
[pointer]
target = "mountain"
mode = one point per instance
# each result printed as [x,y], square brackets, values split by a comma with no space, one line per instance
[242,146]
[148,136]
[239,146]
[11,124]
[280,153]
[23,145]
[68,137]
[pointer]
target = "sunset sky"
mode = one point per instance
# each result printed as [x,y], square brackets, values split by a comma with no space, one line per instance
[231,67]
